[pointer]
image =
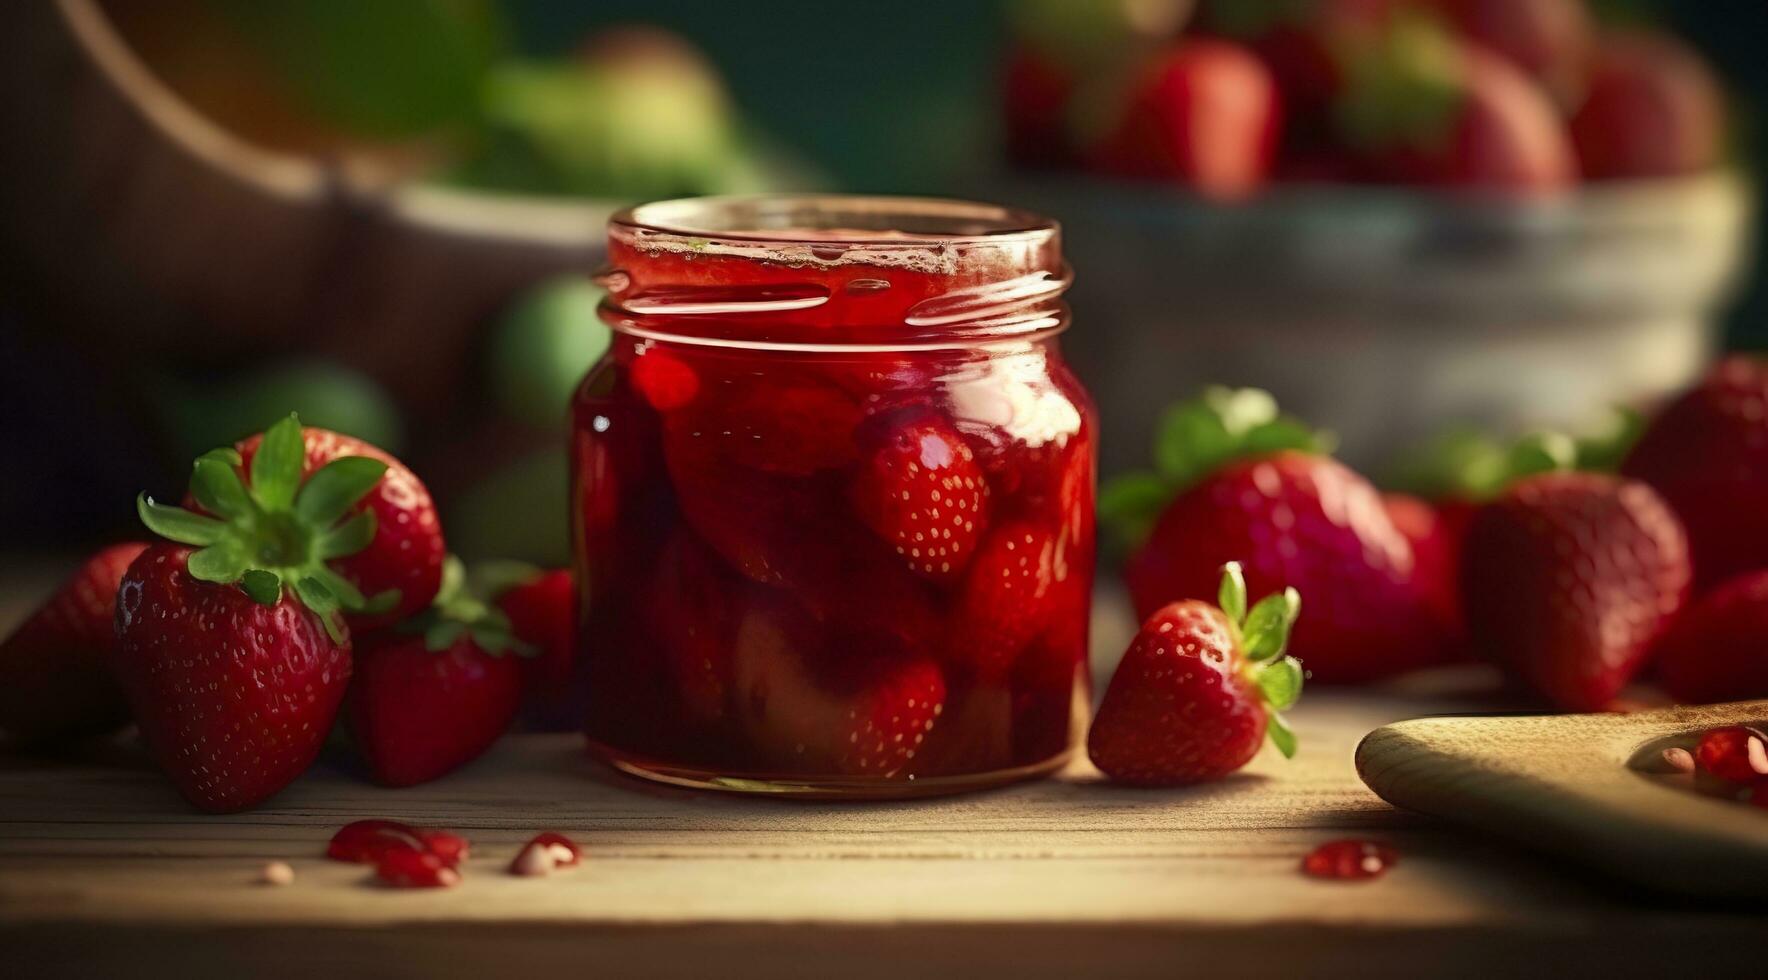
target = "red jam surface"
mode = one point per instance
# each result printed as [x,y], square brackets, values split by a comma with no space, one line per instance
[1349,860]
[834,501]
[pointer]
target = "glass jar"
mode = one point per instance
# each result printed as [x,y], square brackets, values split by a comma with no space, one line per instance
[833,498]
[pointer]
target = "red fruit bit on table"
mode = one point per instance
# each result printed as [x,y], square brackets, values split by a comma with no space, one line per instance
[367,841]
[664,380]
[920,489]
[564,850]
[1735,754]
[1349,860]
[406,868]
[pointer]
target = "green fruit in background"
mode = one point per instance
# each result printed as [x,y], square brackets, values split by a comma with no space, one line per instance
[519,512]
[381,69]
[639,114]
[324,395]
[541,348]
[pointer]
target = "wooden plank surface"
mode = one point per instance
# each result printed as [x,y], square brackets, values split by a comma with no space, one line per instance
[103,870]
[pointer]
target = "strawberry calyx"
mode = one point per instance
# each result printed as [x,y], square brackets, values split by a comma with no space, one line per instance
[1263,635]
[1194,439]
[1468,464]
[272,530]
[460,610]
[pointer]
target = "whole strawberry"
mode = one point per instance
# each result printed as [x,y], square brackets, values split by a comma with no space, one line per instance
[1204,114]
[1568,578]
[1198,690]
[232,647]
[1551,40]
[438,691]
[1654,109]
[1707,454]
[541,606]
[401,565]
[56,677]
[1717,650]
[1292,517]
[1422,107]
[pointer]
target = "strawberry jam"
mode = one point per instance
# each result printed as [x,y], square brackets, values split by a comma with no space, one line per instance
[833,498]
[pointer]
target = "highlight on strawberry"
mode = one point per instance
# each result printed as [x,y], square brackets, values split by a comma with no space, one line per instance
[1200,689]
[232,646]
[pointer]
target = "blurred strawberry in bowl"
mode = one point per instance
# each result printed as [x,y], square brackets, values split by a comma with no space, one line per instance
[1653,109]
[1550,40]
[1205,114]
[1421,106]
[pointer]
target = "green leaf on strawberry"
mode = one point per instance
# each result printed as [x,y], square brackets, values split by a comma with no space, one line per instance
[460,610]
[1468,464]
[1264,635]
[1195,438]
[274,530]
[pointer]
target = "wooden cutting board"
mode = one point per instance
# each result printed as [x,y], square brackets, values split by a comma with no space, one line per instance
[1592,788]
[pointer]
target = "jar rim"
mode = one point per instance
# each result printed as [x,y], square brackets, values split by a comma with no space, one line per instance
[851,220]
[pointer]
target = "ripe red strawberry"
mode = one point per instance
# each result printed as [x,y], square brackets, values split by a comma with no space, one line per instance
[862,711]
[1654,109]
[234,686]
[1567,580]
[402,562]
[435,694]
[1205,114]
[1006,601]
[918,487]
[1198,690]
[1717,650]
[56,676]
[1423,108]
[1307,521]
[1707,453]
[1435,534]
[1550,40]
[542,611]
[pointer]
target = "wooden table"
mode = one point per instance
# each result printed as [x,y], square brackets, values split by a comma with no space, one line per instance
[104,872]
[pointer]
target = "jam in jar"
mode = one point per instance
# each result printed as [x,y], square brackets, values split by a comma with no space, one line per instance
[833,498]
